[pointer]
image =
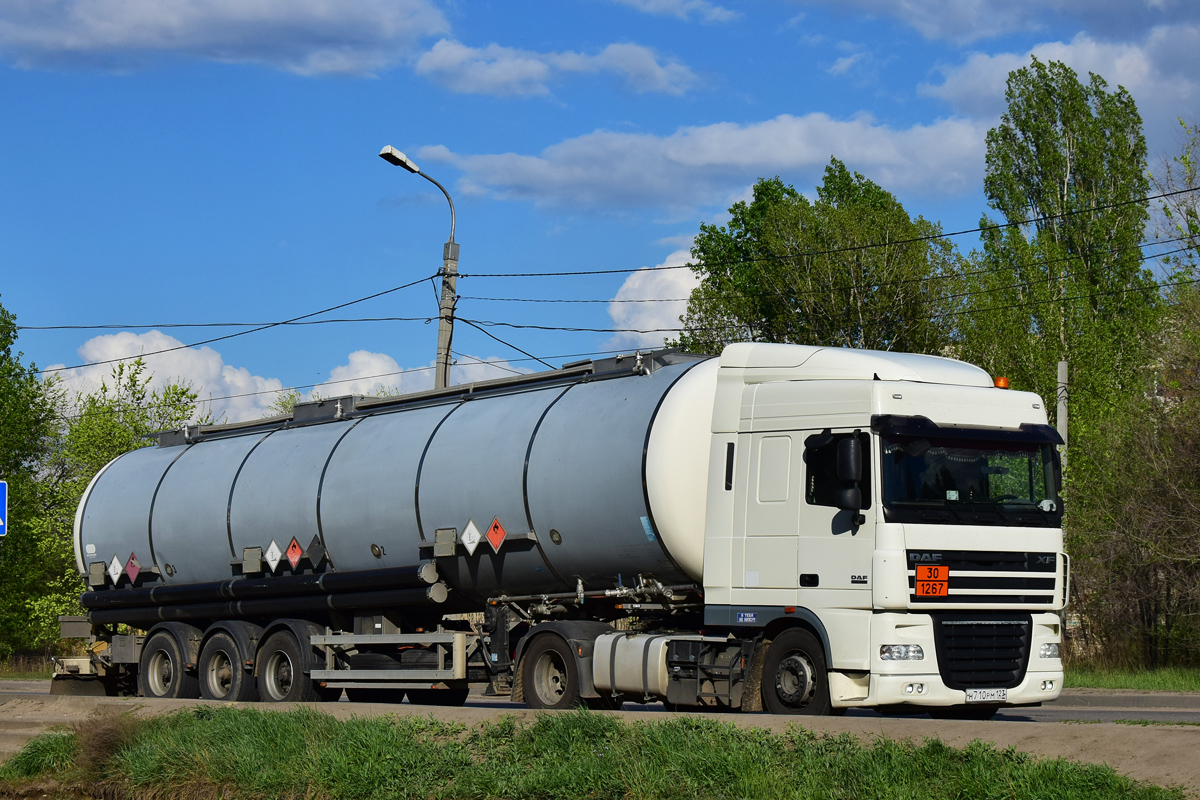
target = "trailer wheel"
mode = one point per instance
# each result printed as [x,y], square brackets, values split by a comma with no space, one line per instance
[281,677]
[438,697]
[549,674]
[222,672]
[161,671]
[794,680]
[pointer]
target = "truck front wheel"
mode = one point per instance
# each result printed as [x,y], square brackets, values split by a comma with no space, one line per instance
[281,677]
[161,671]
[549,674]
[794,680]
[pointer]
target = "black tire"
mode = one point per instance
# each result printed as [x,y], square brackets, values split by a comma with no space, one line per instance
[794,679]
[980,713]
[375,695]
[281,671]
[549,674]
[223,675]
[161,671]
[437,697]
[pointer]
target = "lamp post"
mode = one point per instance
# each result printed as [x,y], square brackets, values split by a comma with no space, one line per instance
[449,273]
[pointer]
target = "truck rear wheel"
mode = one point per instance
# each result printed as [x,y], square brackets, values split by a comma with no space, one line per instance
[222,672]
[794,680]
[161,671]
[549,674]
[281,677]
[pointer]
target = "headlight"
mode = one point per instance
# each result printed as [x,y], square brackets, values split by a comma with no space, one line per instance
[901,652]
[1049,650]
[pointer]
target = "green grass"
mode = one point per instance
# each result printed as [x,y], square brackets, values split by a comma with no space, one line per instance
[1174,679]
[249,753]
[24,668]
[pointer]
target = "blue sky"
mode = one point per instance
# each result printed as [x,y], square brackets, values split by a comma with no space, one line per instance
[203,161]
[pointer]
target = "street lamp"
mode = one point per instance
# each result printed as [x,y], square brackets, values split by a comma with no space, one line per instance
[449,273]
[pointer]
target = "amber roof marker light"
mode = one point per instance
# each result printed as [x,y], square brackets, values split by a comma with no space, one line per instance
[1000,382]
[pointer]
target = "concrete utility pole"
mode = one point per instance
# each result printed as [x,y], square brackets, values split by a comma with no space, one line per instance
[449,274]
[1061,414]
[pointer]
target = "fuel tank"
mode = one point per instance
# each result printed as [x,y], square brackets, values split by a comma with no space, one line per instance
[594,473]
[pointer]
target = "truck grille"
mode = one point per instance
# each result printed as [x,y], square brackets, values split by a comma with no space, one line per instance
[988,650]
[980,577]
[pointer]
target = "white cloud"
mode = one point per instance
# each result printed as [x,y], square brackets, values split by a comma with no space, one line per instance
[674,285]
[234,394]
[683,9]
[369,373]
[966,21]
[302,36]
[215,381]
[1160,71]
[698,166]
[497,70]
[843,64]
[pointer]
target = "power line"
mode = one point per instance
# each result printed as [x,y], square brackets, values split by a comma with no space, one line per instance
[848,248]
[501,341]
[545,300]
[297,387]
[427,319]
[218,324]
[477,360]
[239,333]
[501,324]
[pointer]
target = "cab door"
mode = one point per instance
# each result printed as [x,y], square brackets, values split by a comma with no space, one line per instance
[835,545]
[773,493]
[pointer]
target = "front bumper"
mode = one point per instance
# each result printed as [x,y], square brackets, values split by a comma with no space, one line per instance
[920,683]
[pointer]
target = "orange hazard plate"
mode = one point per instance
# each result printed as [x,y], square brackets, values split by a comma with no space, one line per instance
[933,581]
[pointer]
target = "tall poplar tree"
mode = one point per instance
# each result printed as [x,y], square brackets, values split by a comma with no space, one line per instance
[1061,276]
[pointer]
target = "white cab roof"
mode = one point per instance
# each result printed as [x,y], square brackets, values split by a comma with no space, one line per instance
[804,362]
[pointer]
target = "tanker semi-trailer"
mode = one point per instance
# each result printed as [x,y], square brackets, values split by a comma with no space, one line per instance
[784,528]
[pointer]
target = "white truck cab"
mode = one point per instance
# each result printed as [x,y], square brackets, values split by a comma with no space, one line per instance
[936,572]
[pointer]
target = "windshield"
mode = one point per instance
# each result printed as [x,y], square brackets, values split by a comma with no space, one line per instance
[944,480]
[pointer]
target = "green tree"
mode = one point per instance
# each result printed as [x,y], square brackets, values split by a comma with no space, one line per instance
[74,440]
[1179,222]
[850,269]
[28,429]
[1137,574]
[1063,278]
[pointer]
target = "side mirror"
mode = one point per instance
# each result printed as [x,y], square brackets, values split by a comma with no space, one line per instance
[849,462]
[849,498]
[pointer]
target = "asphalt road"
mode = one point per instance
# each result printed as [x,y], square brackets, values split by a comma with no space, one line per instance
[1075,705]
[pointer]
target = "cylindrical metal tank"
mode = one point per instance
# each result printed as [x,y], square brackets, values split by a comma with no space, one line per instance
[597,478]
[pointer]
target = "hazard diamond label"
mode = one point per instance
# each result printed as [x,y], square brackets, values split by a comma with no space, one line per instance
[495,534]
[132,567]
[114,569]
[273,555]
[294,552]
[470,537]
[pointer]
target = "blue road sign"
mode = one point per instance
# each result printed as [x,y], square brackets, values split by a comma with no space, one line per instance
[3,507]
